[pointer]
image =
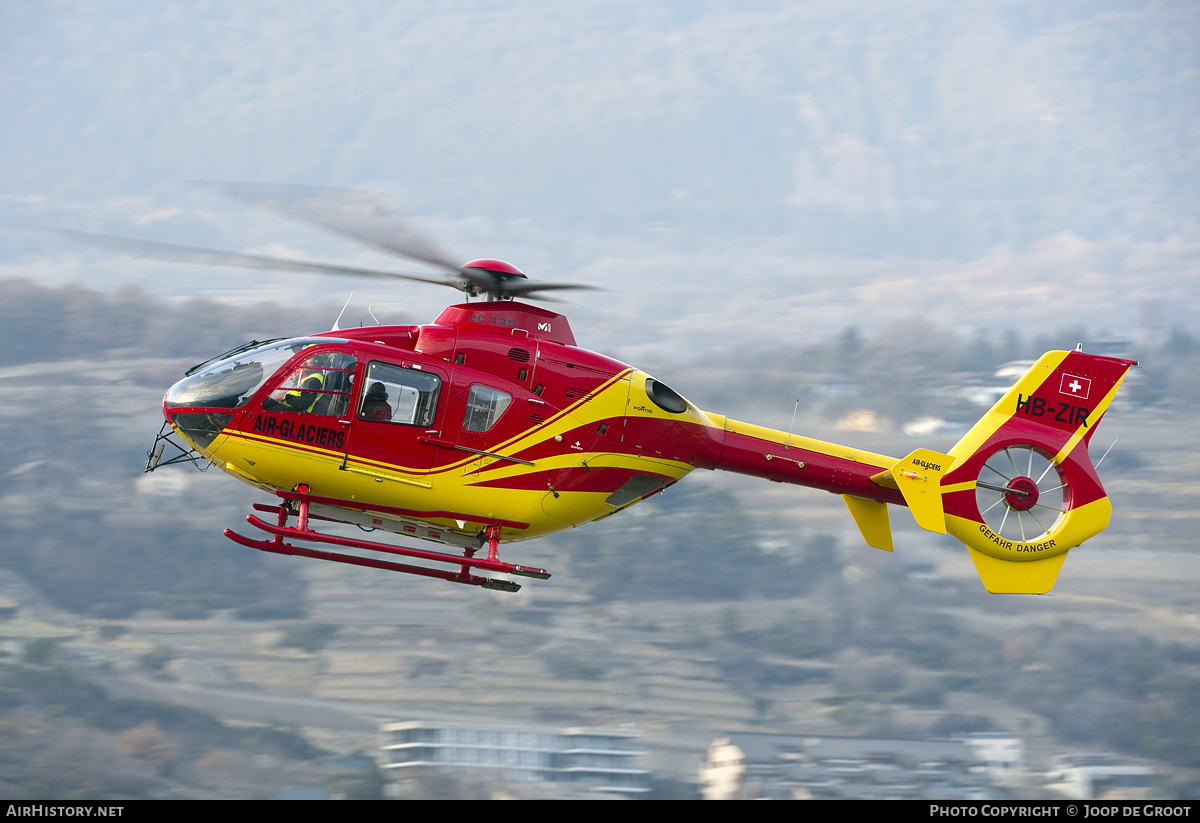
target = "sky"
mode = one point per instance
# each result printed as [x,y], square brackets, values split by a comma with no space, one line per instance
[762,171]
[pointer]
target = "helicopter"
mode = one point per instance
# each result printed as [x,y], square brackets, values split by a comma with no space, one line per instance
[491,425]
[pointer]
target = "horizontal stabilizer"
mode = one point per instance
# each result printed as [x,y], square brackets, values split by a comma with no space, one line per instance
[871,517]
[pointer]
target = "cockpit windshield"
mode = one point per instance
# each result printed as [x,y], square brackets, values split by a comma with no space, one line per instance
[230,384]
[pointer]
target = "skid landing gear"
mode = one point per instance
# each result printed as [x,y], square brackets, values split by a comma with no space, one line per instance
[297,503]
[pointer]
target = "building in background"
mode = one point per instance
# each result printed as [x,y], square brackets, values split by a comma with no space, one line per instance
[782,766]
[601,760]
[1100,777]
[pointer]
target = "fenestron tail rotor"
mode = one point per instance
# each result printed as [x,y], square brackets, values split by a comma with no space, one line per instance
[1022,493]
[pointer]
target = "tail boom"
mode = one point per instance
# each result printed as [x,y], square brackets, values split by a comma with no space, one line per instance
[802,461]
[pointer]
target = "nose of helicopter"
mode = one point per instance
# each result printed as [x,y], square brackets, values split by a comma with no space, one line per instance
[198,428]
[206,400]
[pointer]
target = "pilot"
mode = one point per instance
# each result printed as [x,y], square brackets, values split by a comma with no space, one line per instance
[305,398]
[375,403]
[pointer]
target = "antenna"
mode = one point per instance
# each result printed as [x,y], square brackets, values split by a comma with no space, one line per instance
[787,444]
[1106,451]
[373,305]
[336,327]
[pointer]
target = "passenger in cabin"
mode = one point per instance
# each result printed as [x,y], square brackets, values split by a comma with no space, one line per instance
[375,403]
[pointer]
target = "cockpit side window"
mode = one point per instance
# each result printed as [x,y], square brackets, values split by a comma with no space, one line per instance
[484,407]
[399,395]
[321,384]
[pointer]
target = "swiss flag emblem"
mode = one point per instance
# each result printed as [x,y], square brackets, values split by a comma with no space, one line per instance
[1077,387]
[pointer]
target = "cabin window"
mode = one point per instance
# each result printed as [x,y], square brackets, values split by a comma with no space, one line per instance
[397,395]
[321,384]
[484,407]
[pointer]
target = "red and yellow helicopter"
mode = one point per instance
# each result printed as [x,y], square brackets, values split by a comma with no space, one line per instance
[491,425]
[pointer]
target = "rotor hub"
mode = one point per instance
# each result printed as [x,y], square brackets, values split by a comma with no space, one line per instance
[496,267]
[1015,499]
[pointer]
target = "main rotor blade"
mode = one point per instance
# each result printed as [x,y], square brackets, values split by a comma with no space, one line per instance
[350,212]
[170,252]
[361,215]
[526,288]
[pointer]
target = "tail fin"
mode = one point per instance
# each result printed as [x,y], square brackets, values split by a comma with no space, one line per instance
[1019,489]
